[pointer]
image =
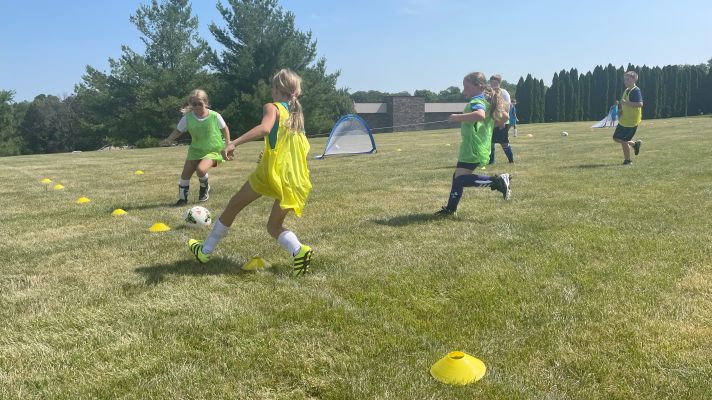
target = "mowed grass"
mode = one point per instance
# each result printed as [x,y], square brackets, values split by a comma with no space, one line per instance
[593,282]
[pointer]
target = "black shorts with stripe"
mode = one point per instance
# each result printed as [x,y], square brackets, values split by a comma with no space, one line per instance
[624,132]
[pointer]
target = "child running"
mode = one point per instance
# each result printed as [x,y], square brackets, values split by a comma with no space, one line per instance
[281,173]
[631,113]
[209,134]
[477,121]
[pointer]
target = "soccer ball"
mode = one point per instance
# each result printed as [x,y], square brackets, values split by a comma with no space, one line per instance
[564,133]
[198,217]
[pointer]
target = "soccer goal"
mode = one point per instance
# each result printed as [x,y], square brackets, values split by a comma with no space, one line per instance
[350,135]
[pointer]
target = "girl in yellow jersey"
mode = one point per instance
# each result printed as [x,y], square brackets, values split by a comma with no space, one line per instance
[281,173]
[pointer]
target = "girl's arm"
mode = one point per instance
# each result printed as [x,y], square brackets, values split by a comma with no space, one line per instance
[173,136]
[474,116]
[226,136]
[269,116]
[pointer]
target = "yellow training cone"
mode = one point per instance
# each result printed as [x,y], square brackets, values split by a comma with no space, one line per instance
[58,187]
[138,172]
[399,150]
[82,200]
[530,135]
[46,181]
[458,368]
[159,227]
[118,212]
[255,264]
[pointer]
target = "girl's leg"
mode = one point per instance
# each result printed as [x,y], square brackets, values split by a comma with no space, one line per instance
[461,179]
[508,152]
[202,171]
[275,227]
[625,145]
[184,183]
[239,201]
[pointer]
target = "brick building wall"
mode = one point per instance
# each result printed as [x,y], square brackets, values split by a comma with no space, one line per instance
[407,113]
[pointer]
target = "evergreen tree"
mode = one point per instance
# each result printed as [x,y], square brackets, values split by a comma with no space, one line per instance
[260,39]
[142,95]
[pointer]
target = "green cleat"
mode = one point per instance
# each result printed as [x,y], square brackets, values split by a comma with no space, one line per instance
[196,247]
[302,260]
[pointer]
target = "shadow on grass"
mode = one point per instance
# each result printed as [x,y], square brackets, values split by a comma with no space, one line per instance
[409,219]
[127,207]
[217,266]
[585,166]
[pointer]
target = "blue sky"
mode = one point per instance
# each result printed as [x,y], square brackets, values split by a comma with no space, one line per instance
[384,45]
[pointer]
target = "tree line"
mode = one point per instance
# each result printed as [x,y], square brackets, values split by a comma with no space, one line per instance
[138,101]
[670,91]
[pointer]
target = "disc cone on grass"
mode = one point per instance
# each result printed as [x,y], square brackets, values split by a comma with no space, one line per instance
[46,181]
[58,187]
[138,172]
[159,227]
[255,264]
[83,200]
[458,368]
[118,212]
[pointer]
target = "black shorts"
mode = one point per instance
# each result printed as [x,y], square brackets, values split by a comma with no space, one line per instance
[624,132]
[500,135]
[467,165]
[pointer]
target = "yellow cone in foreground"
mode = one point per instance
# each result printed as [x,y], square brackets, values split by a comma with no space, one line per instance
[159,227]
[255,264]
[118,212]
[46,181]
[138,172]
[82,200]
[58,187]
[458,368]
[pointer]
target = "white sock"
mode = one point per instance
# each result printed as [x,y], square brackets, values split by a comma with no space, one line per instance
[289,241]
[203,179]
[183,187]
[216,234]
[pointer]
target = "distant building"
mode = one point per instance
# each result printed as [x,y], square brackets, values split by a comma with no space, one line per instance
[408,113]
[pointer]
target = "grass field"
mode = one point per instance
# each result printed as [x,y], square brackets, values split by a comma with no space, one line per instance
[593,282]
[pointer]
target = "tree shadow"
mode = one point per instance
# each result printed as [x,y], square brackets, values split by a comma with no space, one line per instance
[409,219]
[128,207]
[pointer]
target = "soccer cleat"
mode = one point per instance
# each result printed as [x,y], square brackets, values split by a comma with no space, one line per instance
[203,195]
[627,162]
[445,212]
[180,202]
[302,260]
[502,185]
[196,247]
[636,147]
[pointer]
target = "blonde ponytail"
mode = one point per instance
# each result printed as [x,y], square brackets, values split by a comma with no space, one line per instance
[288,84]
